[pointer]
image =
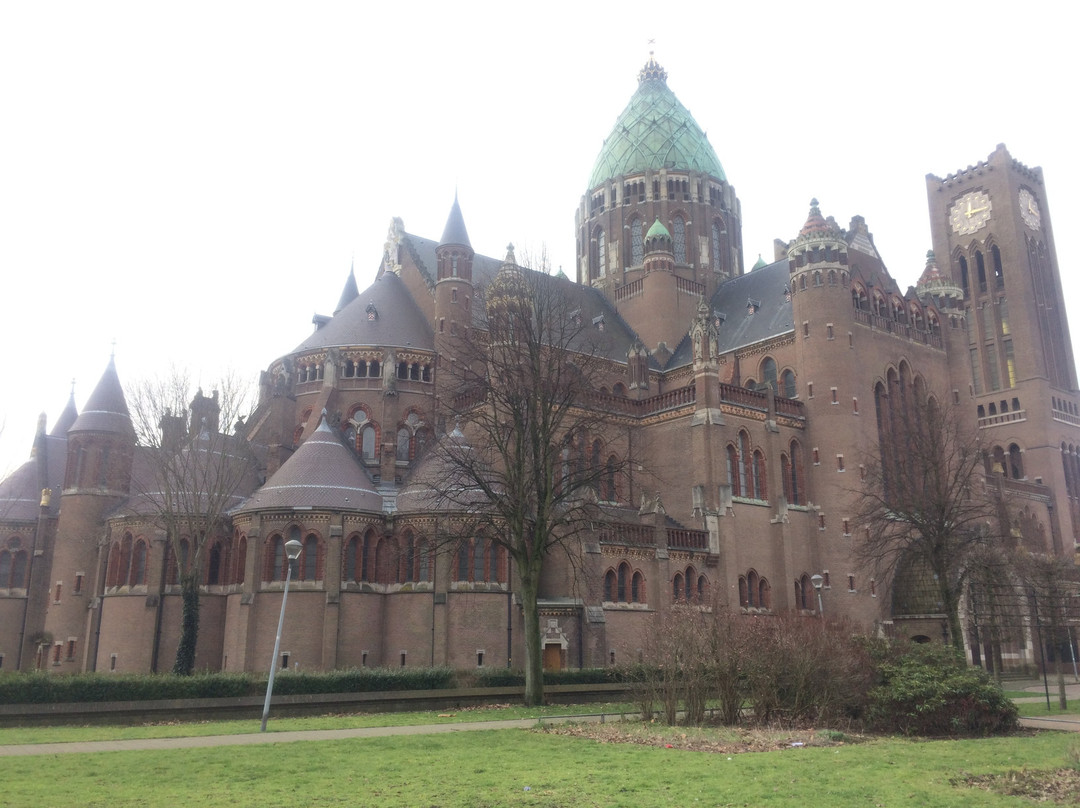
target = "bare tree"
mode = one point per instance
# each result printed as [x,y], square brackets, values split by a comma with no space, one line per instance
[524,468]
[925,506]
[1049,585]
[194,471]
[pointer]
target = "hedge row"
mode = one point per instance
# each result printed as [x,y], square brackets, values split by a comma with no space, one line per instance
[42,688]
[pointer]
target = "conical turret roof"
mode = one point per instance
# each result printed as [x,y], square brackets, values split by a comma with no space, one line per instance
[106,410]
[349,293]
[654,131]
[67,417]
[455,232]
[323,474]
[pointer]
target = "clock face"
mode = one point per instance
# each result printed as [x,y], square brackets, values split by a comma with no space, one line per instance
[1029,209]
[970,213]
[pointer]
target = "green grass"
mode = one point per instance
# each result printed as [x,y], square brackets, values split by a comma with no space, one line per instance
[522,767]
[1036,709]
[29,735]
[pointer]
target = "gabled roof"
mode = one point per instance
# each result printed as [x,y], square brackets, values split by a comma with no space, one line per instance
[321,473]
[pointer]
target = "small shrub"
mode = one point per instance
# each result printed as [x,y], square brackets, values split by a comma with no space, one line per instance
[929,690]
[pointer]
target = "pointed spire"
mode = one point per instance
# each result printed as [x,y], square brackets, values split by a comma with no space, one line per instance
[455,232]
[350,292]
[652,71]
[815,222]
[106,410]
[68,416]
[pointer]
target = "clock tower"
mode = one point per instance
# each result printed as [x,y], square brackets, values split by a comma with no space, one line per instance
[991,228]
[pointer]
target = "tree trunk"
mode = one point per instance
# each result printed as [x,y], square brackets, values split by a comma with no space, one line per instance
[534,659]
[189,630]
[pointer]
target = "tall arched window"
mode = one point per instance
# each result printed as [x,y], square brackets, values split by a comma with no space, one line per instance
[760,488]
[310,558]
[637,243]
[403,440]
[241,560]
[733,466]
[768,373]
[995,258]
[274,568]
[367,443]
[745,460]
[787,384]
[463,561]
[678,238]
[715,244]
[599,267]
[610,586]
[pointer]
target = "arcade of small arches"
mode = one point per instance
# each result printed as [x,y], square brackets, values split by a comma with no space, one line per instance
[635,246]
[363,435]
[754,592]
[13,564]
[893,309]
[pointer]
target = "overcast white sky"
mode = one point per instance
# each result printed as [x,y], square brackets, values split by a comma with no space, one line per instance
[194,179]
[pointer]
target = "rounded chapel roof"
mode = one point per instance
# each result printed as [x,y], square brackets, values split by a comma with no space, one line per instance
[654,131]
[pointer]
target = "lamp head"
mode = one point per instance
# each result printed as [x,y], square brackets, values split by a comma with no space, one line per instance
[816,580]
[293,549]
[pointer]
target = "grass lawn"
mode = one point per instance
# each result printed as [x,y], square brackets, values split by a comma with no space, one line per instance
[528,767]
[1036,709]
[22,735]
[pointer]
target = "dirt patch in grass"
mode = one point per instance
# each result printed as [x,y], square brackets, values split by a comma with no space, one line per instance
[1061,786]
[726,741]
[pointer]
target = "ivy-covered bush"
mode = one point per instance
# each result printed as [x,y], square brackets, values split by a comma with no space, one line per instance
[930,690]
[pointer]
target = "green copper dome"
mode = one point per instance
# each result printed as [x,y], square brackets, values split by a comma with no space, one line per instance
[658,230]
[654,131]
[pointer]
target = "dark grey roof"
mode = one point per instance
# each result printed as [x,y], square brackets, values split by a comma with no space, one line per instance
[148,494]
[397,321]
[66,419]
[349,293]
[455,232]
[20,492]
[764,289]
[106,410]
[321,473]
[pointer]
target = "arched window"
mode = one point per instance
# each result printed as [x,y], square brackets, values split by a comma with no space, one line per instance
[1016,462]
[637,243]
[677,587]
[964,282]
[367,443]
[608,489]
[623,574]
[404,438]
[764,599]
[733,470]
[610,587]
[745,461]
[768,373]
[478,560]
[215,567]
[637,588]
[125,560]
[995,258]
[678,238]
[463,561]
[274,569]
[715,244]
[599,263]
[980,269]
[13,565]
[744,592]
[423,561]
[494,553]
[787,384]
[241,560]
[352,550]
[760,491]
[309,566]
[367,558]
[752,581]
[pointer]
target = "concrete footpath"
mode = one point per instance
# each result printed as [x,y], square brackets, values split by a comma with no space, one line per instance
[1064,722]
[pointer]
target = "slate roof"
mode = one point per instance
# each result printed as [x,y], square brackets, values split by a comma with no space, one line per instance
[106,410]
[398,323]
[20,492]
[772,316]
[322,474]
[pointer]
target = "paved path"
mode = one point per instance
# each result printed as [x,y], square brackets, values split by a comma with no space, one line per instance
[1069,723]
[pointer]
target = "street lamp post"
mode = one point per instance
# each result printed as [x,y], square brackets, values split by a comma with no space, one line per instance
[817,581]
[292,550]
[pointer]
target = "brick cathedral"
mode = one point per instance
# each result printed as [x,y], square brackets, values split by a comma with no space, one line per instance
[755,393]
